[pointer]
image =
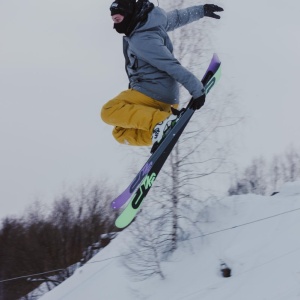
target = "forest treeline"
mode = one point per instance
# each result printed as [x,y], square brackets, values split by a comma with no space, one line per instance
[265,177]
[61,237]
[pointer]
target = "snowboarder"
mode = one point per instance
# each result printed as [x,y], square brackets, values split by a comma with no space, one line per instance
[142,114]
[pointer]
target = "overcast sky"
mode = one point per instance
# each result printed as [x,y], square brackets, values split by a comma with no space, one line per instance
[60,61]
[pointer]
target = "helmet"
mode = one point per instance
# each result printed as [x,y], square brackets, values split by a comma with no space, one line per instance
[123,7]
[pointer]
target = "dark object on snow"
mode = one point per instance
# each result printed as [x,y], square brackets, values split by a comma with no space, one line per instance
[275,193]
[225,270]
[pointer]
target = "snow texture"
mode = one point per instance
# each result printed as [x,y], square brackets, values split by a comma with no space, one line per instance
[257,237]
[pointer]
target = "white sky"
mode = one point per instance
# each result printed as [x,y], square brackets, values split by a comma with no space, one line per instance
[60,61]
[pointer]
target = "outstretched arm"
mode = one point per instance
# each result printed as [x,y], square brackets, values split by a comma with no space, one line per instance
[181,17]
[150,48]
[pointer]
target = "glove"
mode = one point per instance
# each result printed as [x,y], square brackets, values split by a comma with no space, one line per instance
[198,102]
[209,10]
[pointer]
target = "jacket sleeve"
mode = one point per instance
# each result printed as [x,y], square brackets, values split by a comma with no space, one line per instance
[181,17]
[150,48]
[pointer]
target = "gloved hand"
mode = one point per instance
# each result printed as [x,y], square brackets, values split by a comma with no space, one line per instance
[209,10]
[198,102]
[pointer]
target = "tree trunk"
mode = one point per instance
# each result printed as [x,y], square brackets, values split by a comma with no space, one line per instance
[175,195]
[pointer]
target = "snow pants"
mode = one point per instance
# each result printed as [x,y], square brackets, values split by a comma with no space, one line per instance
[134,115]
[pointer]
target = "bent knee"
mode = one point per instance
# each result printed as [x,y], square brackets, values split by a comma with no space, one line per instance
[104,114]
[108,111]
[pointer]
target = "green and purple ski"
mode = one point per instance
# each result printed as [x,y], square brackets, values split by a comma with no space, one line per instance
[140,186]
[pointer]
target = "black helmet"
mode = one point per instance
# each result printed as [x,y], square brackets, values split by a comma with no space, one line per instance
[133,13]
[123,7]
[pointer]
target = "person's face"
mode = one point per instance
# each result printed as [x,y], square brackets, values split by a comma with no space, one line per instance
[117,18]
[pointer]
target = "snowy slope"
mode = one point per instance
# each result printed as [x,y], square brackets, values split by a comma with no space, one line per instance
[257,237]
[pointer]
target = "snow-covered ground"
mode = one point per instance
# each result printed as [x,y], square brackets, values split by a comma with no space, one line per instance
[257,237]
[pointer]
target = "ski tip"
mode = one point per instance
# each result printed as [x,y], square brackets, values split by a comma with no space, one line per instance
[216,58]
[114,205]
[124,219]
[120,224]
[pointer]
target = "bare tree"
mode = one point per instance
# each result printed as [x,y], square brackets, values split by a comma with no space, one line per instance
[174,202]
[263,178]
[253,180]
[146,249]
[275,173]
[291,165]
[53,238]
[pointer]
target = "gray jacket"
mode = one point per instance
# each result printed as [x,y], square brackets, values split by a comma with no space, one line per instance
[150,64]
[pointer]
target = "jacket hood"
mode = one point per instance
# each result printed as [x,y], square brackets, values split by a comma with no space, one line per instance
[156,17]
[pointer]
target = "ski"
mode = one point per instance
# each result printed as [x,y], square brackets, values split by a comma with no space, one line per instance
[140,186]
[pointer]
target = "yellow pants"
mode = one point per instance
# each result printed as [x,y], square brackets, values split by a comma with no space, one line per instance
[134,116]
